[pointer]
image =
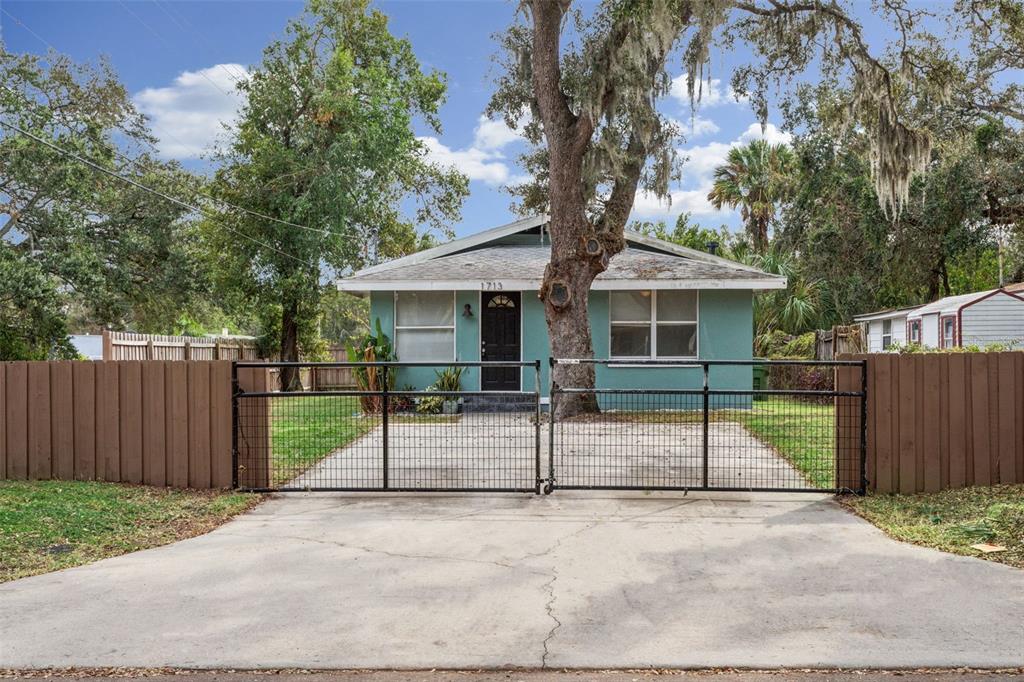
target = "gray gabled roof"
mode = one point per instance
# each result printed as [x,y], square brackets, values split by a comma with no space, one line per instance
[470,264]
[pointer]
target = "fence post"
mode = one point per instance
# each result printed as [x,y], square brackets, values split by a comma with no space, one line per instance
[384,407]
[552,395]
[704,461]
[863,427]
[536,390]
[234,425]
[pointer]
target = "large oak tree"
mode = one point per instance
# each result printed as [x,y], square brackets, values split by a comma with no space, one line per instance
[588,84]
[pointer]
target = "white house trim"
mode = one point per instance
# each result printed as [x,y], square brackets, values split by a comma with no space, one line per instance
[533,285]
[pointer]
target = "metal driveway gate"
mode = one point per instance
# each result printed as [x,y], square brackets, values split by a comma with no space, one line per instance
[374,437]
[801,428]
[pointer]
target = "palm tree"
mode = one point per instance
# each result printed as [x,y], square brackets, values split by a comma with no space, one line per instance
[755,177]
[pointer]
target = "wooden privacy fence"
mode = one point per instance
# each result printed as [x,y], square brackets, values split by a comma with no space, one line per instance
[943,420]
[154,422]
[131,346]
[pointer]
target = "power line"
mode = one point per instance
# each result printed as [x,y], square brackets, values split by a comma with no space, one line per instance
[194,33]
[19,22]
[165,42]
[139,185]
[138,164]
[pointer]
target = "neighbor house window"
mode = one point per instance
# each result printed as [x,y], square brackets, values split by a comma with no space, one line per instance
[948,327]
[654,324]
[915,331]
[886,334]
[425,326]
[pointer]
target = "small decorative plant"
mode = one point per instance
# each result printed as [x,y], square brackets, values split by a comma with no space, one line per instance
[374,346]
[448,380]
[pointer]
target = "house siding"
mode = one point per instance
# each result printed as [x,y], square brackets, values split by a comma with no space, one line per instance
[997,319]
[899,333]
[725,332]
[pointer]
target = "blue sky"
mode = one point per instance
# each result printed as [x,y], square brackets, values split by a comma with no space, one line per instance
[179,60]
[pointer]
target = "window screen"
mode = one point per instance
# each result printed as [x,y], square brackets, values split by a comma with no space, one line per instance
[653,324]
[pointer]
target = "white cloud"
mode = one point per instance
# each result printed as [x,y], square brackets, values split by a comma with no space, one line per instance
[476,164]
[711,91]
[698,172]
[494,134]
[484,160]
[188,115]
[701,126]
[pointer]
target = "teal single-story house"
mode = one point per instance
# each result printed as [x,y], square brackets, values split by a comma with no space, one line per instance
[475,299]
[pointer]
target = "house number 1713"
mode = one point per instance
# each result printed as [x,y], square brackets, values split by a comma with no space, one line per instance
[491,286]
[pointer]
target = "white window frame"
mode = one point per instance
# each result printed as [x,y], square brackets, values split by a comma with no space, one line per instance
[653,324]
[886,344]
[399,328]
[914,327]
[951,342]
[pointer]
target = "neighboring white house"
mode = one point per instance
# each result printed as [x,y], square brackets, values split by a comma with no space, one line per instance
[885,328]
[980,319]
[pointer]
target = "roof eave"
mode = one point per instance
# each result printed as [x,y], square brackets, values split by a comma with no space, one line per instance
[357,285]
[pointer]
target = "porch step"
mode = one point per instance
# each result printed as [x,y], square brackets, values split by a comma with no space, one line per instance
[503,402]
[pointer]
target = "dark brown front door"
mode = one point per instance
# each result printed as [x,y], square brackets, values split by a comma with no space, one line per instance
[499,339]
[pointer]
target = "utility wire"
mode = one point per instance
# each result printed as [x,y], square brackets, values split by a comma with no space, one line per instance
[165,42]
[139,185]
[194,32]
[140,166]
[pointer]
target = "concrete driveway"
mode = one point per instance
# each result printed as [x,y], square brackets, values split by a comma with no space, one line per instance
[589,581]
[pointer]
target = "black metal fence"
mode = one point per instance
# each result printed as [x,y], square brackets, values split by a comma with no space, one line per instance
[379,438]
[710,425]
[801,427]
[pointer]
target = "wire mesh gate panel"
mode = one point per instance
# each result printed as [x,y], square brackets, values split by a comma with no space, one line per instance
[381,439]
[800,427]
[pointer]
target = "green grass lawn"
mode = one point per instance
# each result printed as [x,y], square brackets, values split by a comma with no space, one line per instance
[49,525]
[803,433]
[953,520]
[305,429]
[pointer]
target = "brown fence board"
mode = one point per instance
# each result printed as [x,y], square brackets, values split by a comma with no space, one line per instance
[39,426]
[907,450]
[131,421]
[16,413]
[154,433]
[3,421]
[220,424]
[199,424]
[1006,427]
[62,421]
[177,423]
[108,419]
[1019,416]
[84,416]
[886,382]
[930,472]
[980,426]
[959,411]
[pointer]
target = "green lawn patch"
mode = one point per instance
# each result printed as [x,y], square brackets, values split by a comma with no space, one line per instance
[953,520]
[49,525]
[305,429]
[802,433]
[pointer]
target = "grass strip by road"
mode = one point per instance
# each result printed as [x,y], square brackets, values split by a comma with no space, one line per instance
[49,525]
[802,433]
[953,520]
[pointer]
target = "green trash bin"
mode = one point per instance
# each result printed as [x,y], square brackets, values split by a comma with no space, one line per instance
[760,380]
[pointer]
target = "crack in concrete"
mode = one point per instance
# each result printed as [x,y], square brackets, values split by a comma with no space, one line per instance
[549,608]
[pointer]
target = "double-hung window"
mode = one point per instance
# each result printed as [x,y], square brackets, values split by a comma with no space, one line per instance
[653,324]
[886,334]
[425,326]
[915,331]
[948,332]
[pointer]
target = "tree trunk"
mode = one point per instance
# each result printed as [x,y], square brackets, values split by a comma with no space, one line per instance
[290,379]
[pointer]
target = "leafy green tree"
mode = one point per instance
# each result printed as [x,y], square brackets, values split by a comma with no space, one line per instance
[31,326]
[688,234]
[116,254]
[756,178]
[325,146]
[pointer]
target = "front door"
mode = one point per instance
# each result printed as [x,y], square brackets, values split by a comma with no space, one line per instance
[499,339]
